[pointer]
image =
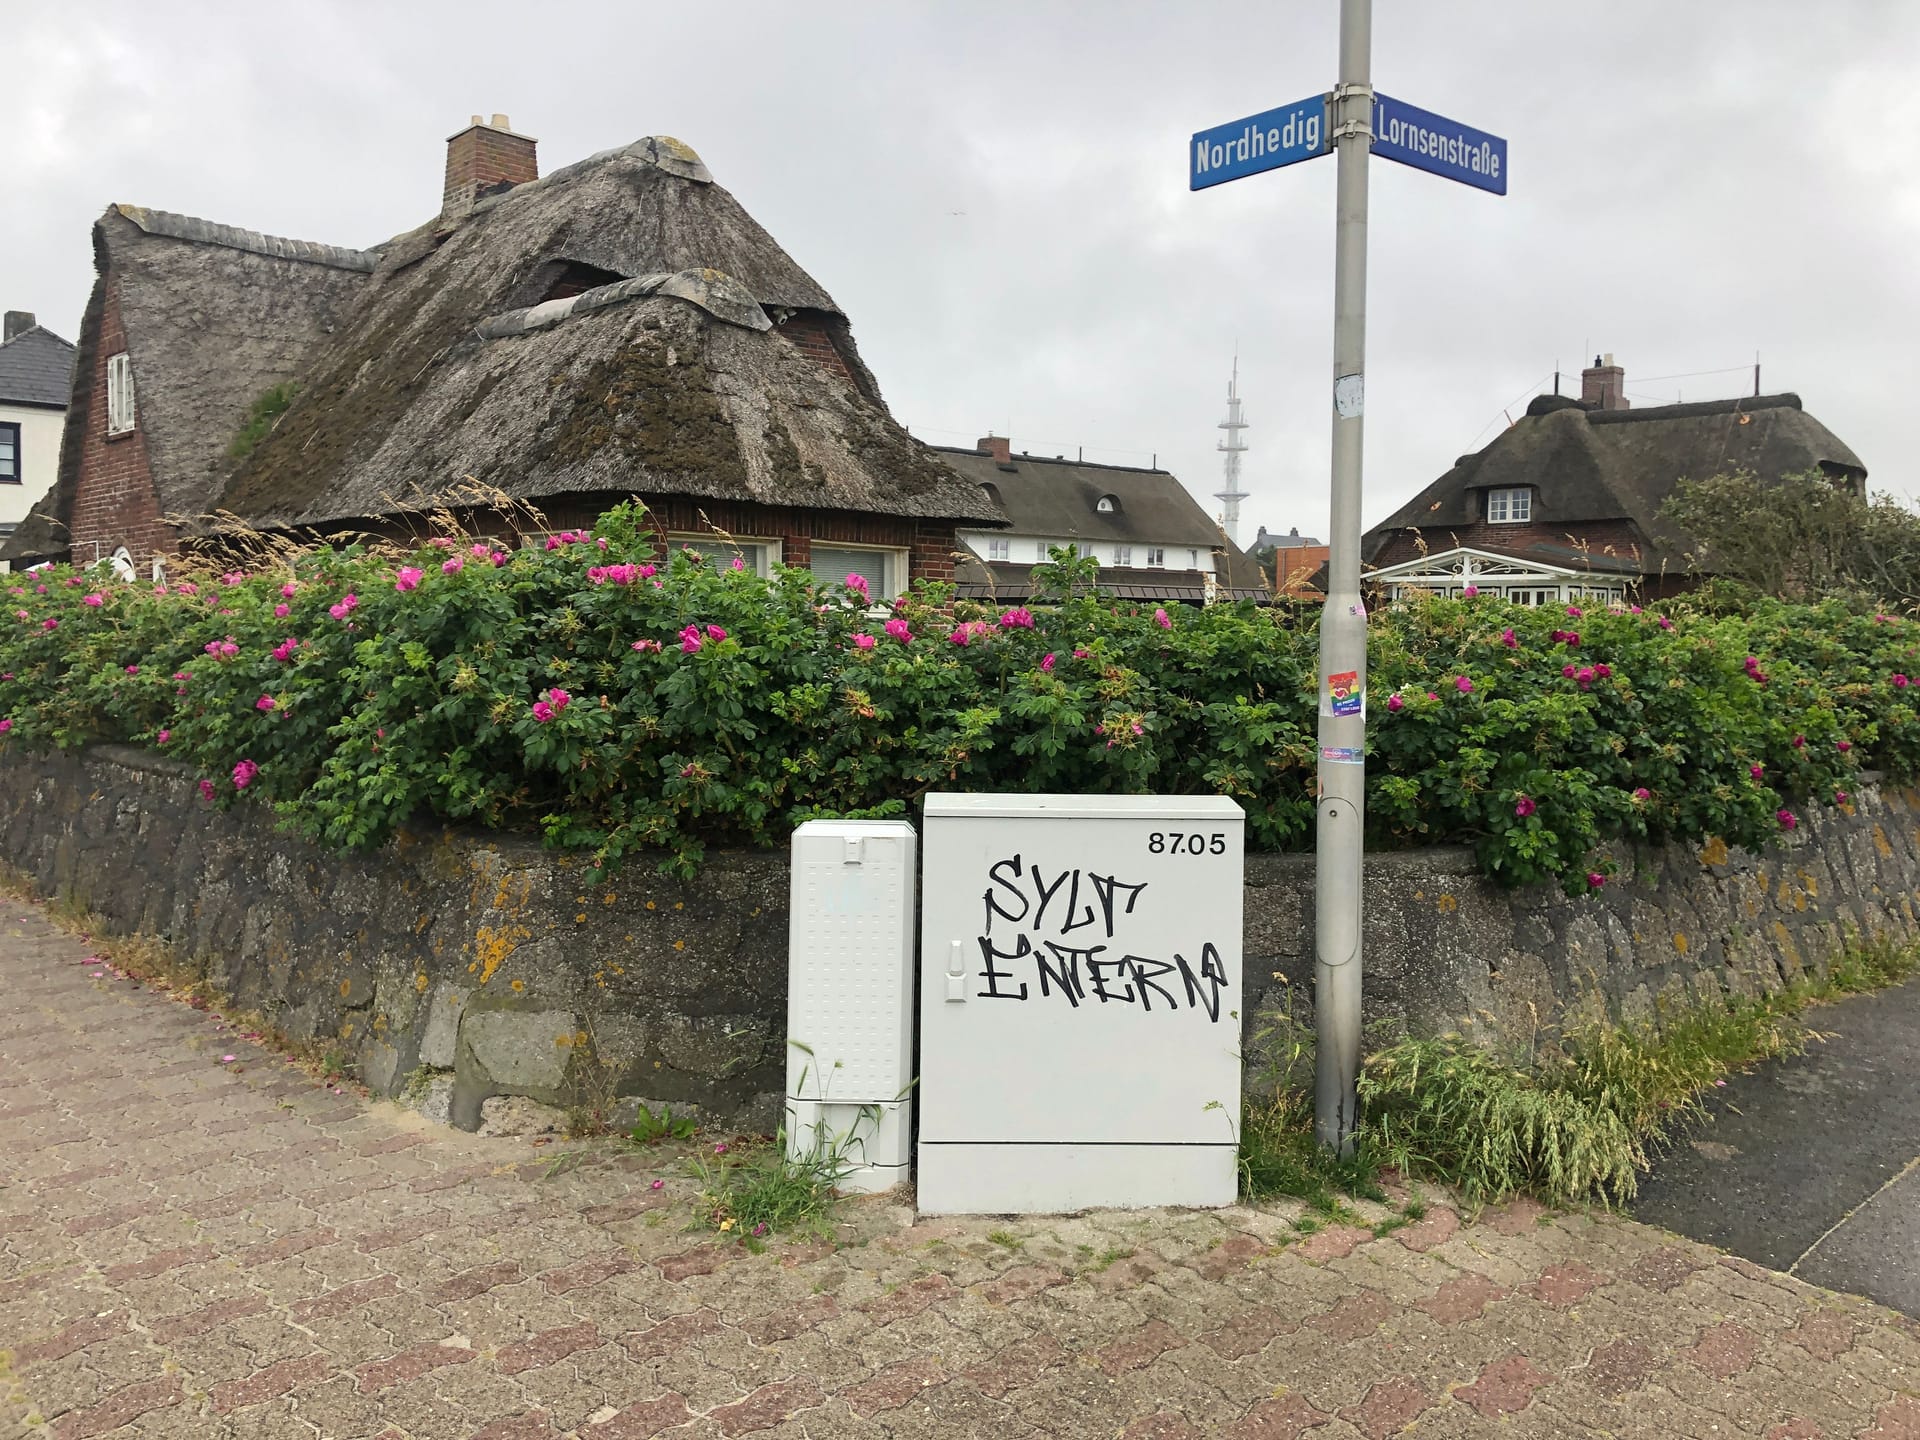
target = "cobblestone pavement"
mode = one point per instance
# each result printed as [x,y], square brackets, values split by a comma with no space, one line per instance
[190,1247]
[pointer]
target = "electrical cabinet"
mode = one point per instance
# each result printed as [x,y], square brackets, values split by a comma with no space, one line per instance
[1079,1002]
[850,998]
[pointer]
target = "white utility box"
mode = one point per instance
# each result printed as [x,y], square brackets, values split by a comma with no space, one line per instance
[850,998]
[1079,1002]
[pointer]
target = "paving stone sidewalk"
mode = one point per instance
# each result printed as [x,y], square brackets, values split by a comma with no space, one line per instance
[197,1248]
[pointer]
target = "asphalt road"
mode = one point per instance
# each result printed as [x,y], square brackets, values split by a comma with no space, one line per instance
[1812,1164]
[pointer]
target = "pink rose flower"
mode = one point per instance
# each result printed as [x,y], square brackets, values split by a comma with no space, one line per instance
[96,601]
[1642,793]
[408,578]
[1162,619]
[690,639]
[647,646]
[897,629]
[453,566]
[858,585]
[206,789]
[133,669]
[560,699]
[5,725]
[1787,819]
[1018,618]
[479,551]
[863,641]
[1839,797]
[1756,771]
[542,711]
[1046,662]
[1573,612]
[265,702]
[736,563]
[164,736]
[1506,639]
[282,610]
[1396,702]
[287,590]
[500,557]
[1900,682]
[1595,879]
[1471,591]
[1463,684]
[714,632]
[1799,742]
[243,774]
[1665,623]
[49,624]
[1524,806]
[1843,746]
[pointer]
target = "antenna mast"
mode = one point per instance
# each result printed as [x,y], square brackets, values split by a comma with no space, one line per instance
[1233,447]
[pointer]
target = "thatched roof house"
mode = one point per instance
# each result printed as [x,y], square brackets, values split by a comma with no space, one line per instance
[1566,501]
[619,327]
[1152,539]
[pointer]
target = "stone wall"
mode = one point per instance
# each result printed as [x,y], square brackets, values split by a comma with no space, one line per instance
[479,967]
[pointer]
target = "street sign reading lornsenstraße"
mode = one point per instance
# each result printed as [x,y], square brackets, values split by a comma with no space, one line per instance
[1260,142]
[1434,143]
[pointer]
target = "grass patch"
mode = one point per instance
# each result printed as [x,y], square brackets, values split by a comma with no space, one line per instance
[1006,1239]
[751,1191]
[262,416]
[1581,1123]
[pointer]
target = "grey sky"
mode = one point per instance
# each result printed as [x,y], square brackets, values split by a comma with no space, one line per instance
[996,193]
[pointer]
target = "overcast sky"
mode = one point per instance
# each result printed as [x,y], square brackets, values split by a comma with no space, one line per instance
[997,193]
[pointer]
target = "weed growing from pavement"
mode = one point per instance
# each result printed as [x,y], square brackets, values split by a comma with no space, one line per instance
[652,1127]
[1581,1123]
[750,1190]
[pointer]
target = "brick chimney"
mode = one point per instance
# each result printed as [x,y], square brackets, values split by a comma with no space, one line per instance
[999,447]
[1603,385]
[483,159]
[18,322]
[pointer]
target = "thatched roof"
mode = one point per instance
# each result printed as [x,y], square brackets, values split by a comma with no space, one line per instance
[213,316]
[1045,495]
[1590,465]
[668,375]
[1008,582]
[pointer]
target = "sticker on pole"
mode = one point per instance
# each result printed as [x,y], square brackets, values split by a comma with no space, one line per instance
[1349,396]
[1343,755]
[1344,697]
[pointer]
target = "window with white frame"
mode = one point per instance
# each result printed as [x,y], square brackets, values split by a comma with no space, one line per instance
[999,550]
[1193,559]
[120,414]
[885,571]
[759,556]
[9,453]
[1510,506]
[1156,557]
[1122,555]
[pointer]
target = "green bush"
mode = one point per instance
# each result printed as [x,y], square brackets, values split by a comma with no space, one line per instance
[580,692]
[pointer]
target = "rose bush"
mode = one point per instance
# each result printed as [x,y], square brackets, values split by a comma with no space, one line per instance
[617,702]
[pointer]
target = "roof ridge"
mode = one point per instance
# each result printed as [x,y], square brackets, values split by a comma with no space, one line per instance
[40,329]
[1051,459]
[713,291]
[233,237]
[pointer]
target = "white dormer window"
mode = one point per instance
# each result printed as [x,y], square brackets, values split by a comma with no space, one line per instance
[119,394]
[999,549]
[1513,506]
[1105,505]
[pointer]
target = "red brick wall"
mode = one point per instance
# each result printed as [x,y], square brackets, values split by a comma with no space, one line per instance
[929,543]
[809,332]
[114,501]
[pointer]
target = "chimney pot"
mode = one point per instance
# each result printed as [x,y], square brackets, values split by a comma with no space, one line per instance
[18,322]
[476,121]
[483,159]
[998,446]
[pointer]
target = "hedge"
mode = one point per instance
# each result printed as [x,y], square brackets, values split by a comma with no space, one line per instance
[619,702]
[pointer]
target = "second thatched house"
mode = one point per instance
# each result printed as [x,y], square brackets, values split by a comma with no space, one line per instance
[1565,504]
[621,327]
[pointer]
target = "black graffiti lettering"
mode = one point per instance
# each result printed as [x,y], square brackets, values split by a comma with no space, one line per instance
[1203,990]
[1045,893]
[1086,911]
[1146,976]
[1100,981]
[1104,886]
[993,905]
[1064,973]
[993,975]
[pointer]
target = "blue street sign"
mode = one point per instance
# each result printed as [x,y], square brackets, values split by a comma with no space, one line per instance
[1434,143]
[1260,142]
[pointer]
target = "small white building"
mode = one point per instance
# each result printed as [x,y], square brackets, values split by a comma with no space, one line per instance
[36,379]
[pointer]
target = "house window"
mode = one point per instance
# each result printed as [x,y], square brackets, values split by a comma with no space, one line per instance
[885,571]
[1513,506]
[1123,555]
[758,556]
[1156,557]
[999,550]
[1106,505]
[119,394]
[1193,559]
[9,454]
